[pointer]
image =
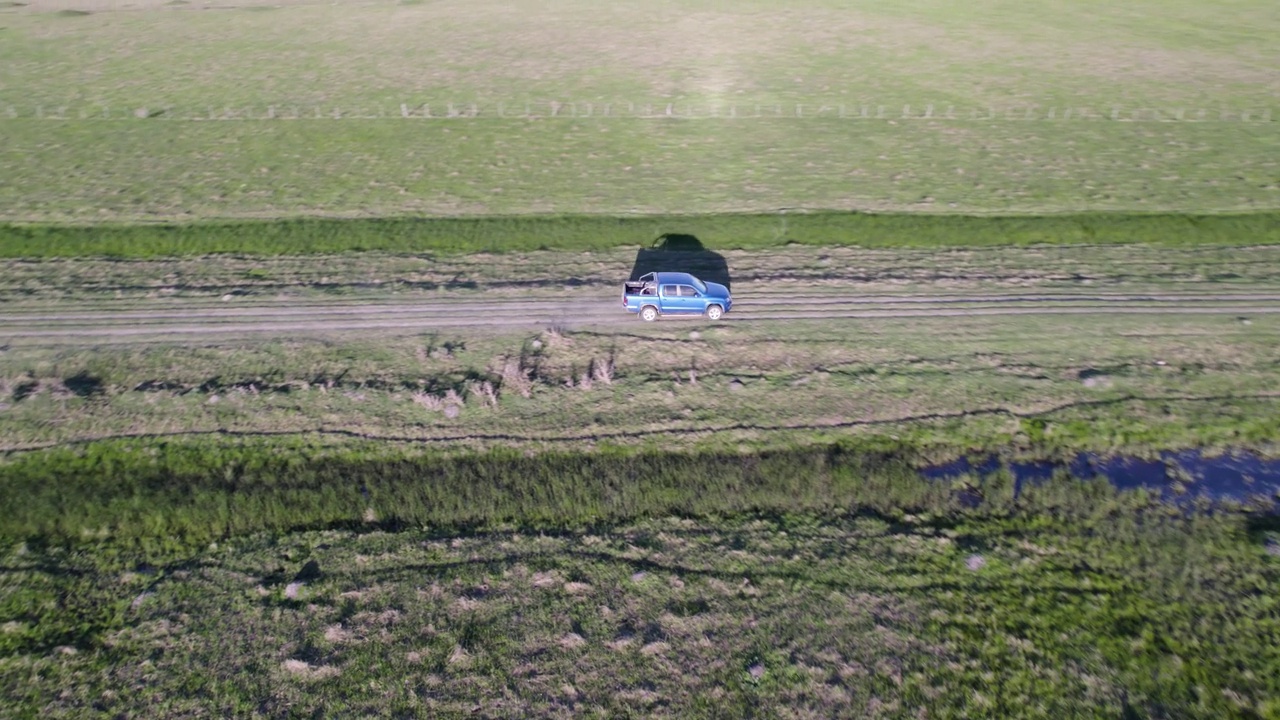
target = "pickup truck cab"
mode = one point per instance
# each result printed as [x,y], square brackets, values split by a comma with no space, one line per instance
[675,293]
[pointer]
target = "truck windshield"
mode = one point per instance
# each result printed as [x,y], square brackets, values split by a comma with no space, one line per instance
[702,287]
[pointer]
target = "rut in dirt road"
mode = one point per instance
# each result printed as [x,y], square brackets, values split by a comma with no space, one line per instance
[194,319]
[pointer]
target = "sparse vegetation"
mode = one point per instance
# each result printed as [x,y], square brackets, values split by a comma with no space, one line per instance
[954,383]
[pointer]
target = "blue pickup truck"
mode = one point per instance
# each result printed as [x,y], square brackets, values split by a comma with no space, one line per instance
[675,293]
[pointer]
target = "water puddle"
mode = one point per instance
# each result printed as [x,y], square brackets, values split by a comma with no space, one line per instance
[1179,476]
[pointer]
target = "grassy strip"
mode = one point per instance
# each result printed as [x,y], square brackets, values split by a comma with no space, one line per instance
[170,498]
[576,232]
[180,496]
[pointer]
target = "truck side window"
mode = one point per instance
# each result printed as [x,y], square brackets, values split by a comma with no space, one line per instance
[670,291]
[686,291]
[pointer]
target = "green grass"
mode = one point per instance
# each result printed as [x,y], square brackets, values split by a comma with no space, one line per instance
[1087,605]
[159,156]
[168,498]
[94,171]
[810,570]
[760,51]
[161,499]
[595,233]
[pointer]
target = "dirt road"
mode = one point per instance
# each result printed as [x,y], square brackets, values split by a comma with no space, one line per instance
[241,315]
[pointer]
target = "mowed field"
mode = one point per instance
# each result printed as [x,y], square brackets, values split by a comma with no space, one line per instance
[145,111]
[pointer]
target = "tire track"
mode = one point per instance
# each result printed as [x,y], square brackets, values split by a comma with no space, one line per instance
[585,308]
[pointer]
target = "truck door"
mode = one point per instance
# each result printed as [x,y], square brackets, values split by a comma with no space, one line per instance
[680,300]
[695,302]
[672,303]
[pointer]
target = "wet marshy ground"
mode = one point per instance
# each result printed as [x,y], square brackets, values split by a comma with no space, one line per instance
[1180,476]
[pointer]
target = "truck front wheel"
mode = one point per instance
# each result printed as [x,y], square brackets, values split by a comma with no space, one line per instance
[649,313]
[714,312]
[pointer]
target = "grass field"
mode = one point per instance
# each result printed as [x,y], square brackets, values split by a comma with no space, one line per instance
[178,66]
[366,54]
[279,438]
[1079,604]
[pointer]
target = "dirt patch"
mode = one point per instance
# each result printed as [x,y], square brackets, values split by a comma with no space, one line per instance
[1092,378]
[305,671]
[572,641]
[337,634]
[655,648]
[545,579]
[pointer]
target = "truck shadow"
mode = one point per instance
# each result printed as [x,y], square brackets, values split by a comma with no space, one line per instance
[678,252]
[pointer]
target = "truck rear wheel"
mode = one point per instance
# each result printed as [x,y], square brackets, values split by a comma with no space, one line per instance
[648,313]
[714,312]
